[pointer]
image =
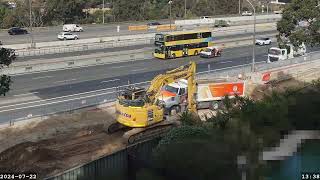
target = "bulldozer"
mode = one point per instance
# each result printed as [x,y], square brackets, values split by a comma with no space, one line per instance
[139,112]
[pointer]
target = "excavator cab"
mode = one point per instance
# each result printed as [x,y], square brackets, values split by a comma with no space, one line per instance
[132,96]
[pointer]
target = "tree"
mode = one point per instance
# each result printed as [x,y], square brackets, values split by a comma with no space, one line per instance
[6,58]
[300,23]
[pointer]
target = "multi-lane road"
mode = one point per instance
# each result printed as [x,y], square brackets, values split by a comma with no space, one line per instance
[46,34]
[48,85]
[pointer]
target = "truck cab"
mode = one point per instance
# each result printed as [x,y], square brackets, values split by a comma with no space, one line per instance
[276,54]
[174,94]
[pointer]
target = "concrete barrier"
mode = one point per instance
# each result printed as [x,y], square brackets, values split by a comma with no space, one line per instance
[166,27]
[230,19]
[138,28]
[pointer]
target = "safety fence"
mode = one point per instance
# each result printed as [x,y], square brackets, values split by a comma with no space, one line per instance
[122,164]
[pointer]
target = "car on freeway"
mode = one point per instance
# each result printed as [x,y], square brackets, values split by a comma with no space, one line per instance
[263,41]
[246,13]
[17,31]
[67,36]
[72,28]
[221,23]
[210,52]
[153,25]
[206,17]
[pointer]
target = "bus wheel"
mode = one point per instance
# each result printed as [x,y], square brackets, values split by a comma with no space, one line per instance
[173,56]
[196,53]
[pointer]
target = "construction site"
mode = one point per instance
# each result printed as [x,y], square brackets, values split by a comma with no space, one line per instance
[52,145]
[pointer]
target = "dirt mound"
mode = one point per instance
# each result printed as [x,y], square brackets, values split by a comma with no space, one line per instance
[28,157]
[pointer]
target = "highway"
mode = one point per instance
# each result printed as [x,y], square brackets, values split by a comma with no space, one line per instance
[40,86]
[106,50]
[46,34]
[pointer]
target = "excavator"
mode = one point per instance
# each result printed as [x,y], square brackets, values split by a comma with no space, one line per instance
[139,112]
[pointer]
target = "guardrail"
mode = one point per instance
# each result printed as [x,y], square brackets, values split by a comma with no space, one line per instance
[113,57]
[69,103]
[85,47]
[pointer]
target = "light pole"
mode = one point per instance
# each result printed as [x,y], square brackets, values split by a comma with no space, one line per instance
[170,2]
[239,6]
[254,37]
[185,9]
[102,11]
[30,23]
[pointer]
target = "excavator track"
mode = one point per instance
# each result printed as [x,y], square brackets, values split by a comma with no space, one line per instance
[116,127]
[137,135]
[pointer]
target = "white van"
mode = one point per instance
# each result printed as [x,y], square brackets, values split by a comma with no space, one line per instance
[72,27]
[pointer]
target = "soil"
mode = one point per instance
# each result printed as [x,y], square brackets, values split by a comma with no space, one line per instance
[55,145]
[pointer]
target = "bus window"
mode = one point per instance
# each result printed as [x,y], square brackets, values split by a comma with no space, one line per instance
[170,38]
[190,36]
[176,48]
[199,36]
[178,37]
[206,34]
[204,44]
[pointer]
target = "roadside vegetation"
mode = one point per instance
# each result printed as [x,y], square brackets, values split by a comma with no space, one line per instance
[300,23]
[7,56]
[55,12]
[209,150]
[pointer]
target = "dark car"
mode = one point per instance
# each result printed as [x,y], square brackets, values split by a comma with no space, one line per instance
[154,24]
[16,31]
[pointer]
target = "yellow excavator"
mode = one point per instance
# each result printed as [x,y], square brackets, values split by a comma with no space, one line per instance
[139,112]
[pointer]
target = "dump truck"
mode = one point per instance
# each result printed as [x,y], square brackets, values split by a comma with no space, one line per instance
[209,94]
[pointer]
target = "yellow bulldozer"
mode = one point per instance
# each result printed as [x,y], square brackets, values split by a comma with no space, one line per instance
[139,112]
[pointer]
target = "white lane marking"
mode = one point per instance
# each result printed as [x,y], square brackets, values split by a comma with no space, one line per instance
[56,102]
[117,67]
[112,80]
[63,81]
[42,77]
[26,94]
[224,62]
[84,93]
[135,70]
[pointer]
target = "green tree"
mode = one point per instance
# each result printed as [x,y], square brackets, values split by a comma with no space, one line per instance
[306,11]
[7,56]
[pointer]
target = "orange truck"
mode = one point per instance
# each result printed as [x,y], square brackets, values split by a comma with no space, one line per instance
[209,94]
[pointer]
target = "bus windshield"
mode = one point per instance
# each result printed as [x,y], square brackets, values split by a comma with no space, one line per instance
[159,37]
[159,49]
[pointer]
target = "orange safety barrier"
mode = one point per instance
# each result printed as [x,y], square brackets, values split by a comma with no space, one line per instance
[138,28]
[166,27]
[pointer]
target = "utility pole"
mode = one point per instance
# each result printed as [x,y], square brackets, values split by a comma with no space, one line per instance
[239,6]
[185,9]
[30,23]
[102,11]
[170,2]
[254,37]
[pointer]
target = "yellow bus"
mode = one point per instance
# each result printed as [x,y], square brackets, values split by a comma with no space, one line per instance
[180,44]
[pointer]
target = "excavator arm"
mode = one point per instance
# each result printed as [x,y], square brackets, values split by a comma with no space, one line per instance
[183,72]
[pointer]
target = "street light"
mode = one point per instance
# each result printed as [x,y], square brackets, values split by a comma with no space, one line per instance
[102,11]
[30,23]
[170,2]
[254,37]
[185,9]
[239,6]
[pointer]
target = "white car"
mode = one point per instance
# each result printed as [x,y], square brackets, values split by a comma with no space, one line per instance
[246,13]
[263,41]
[67,36]
[211,52]
[72,28]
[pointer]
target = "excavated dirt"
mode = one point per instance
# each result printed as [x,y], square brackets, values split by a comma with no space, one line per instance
[54,145]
